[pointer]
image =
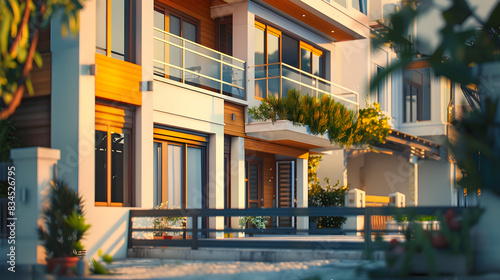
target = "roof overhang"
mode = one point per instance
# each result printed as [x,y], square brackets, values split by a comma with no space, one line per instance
[283,131]
[408,145]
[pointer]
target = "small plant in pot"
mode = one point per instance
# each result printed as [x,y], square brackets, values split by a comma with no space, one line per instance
[63,230]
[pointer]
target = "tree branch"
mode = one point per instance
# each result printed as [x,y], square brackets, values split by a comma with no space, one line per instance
[25,20]
[28,65]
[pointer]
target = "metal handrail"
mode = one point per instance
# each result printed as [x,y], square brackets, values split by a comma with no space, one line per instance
[195,243]
[220,60]
[302,72]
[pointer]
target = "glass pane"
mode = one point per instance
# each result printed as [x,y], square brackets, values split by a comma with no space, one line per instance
[305,60]
[101,26]
[101,166]
[175,25]
[273,48]
[259,46]
[118,29]
[260,89]
[290,51]
[157,166]
[274,87]
[317,65]
[226,38]
[159,46]
[175,171]
[419,87]
[195,176]
[120,160]
[188,31]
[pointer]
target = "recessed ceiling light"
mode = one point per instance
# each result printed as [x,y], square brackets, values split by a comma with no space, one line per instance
[333,31]
[303,15]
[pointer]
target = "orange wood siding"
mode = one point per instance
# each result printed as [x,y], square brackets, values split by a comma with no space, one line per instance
[32,122]
[268,147]
[310,19]
[268,174]
[236,127]
[118,80]
[40,77]
[199,9]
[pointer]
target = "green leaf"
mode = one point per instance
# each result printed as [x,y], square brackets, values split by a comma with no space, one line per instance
[4,29]
[38,59]
[29,86]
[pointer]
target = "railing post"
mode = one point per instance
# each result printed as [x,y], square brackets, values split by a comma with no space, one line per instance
[368,231]
[194,237]
[221,76]
[183,61]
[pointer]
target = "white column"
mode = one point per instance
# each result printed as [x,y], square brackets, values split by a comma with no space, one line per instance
[216,181]
[238,191]
[34,169]
[355,198]
[302,194]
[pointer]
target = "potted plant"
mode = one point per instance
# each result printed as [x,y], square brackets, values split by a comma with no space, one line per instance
[63,230]
[167,222]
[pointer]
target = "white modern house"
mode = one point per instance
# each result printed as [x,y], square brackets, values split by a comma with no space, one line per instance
[147,104]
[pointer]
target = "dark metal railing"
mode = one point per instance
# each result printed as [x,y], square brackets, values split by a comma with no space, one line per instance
[198,240]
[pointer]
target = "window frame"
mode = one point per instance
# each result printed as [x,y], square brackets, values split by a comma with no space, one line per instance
[167,11]
[106,126]
[129,44]
[170,137]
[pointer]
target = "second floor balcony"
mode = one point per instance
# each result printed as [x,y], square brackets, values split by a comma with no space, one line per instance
[278,78]
[189,63]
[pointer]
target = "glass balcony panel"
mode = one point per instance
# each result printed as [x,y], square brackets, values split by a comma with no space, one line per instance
[200,67]
[324,86]
[260,89]
[203,65]
[233,61]
[260,72]
[288,85]
[199,49]
[233,91]
[273,87]
[274,70]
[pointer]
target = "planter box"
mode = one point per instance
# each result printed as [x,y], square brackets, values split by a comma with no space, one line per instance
[446,264]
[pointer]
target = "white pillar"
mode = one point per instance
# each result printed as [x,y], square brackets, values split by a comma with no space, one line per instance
[238,191]
[355,198]
[216,181]
[34,169]
[302,192]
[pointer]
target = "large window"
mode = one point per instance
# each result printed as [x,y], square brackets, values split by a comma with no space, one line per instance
[278,54]
[416,95]
[113,155]
[114,28]
[179,167]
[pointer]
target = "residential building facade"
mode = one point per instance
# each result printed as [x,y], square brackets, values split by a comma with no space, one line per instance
[148,105]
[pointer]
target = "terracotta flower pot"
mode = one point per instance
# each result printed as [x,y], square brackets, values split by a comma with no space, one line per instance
[63,265]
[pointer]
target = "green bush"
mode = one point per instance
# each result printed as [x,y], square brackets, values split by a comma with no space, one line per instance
[328,196]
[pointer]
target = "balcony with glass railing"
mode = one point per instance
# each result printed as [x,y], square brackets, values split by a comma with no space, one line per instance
[187,62]
[278,78]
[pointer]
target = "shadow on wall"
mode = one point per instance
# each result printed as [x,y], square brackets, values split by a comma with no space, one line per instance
[110,243]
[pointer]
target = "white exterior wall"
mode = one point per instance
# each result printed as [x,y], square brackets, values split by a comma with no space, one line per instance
[436,183]
[383,175]
[73,126]
[333,166]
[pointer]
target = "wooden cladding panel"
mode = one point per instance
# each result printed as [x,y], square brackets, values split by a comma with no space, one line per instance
[43,45]
[310,19]
[118,80]
[32,122]
[268,175]
[268,147]
[418,64]
[234,127]
[41,77]
[199,9]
